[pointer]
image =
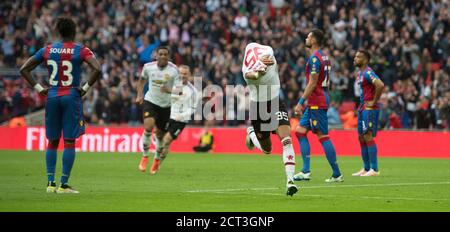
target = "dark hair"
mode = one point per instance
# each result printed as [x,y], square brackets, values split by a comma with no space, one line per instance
[365,53]
[66,28]
[319,36]
[162,47]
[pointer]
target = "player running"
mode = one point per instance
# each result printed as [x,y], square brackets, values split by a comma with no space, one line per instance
[161,75]
[260,71]
[315,112]
[371,87]
[184,102]
[64,109]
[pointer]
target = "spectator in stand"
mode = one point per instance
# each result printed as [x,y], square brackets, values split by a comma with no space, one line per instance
[409,42]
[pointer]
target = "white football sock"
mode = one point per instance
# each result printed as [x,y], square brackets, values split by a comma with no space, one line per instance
[288,158]
[159,146]
[254,139]
[146,142]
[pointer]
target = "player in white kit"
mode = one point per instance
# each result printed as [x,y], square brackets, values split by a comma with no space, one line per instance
[161,75]
[184,102]
[267,113]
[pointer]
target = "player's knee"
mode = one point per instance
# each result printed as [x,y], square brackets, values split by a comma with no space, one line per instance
[284,131]
[361,139]
[167,139]
[300,130]
[69,143]
[368,137]
[53,144]
[300,135]
[148,128]
[322,137]
[149,123]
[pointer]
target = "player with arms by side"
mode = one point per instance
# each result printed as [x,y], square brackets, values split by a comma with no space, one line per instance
[161,75]
[315,112]
[268,114]
[184,102]
[64,109]
[368,111]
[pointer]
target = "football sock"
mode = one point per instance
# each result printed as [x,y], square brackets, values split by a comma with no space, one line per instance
[67,162]
[365,156]
[146,142]
[330,153]
[305,150]
[158,148]
[372,150]
[255,140]
[50,161]
[288,158]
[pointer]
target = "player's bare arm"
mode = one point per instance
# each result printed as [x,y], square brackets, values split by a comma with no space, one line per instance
[308,91]
[140,90]
[94,76]
[257,71]
[26,69]
[267,60]
[379,85]
[254,75]
[165,89]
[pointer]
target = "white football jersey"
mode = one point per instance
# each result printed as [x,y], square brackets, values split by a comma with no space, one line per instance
[158,77]
[184,102]
[267,86]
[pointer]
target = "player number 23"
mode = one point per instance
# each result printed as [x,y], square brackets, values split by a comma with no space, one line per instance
[66,73]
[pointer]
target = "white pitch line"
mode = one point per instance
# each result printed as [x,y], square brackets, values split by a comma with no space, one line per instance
[319,186]
[346,196]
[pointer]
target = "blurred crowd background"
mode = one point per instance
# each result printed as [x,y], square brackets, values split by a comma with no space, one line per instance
[408,41]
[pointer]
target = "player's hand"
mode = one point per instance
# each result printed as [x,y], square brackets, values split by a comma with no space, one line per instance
[260,67]
[298,110]
[261,73]
[139,100]
[44,92]
[370,104]
[164,89]
[267,60]
[81,91]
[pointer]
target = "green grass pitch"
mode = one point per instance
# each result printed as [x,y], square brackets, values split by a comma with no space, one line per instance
[221,183]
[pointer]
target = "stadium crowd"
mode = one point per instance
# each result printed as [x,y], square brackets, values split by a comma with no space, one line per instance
[408,41]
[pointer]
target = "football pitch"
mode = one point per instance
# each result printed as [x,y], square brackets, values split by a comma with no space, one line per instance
[221,183]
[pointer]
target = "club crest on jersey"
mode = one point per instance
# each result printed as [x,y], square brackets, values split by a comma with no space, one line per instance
[159,82]
[314,122]
[146,114]
[81,123]
[166,77]
[314,59]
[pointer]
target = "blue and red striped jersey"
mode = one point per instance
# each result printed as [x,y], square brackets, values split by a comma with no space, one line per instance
[319,63]
[63,61]
[365,82]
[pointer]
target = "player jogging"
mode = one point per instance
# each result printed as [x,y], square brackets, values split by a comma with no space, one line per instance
[315,111]
[371,87]
[260,71]
[161,75]
[184,102]
[64,109]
